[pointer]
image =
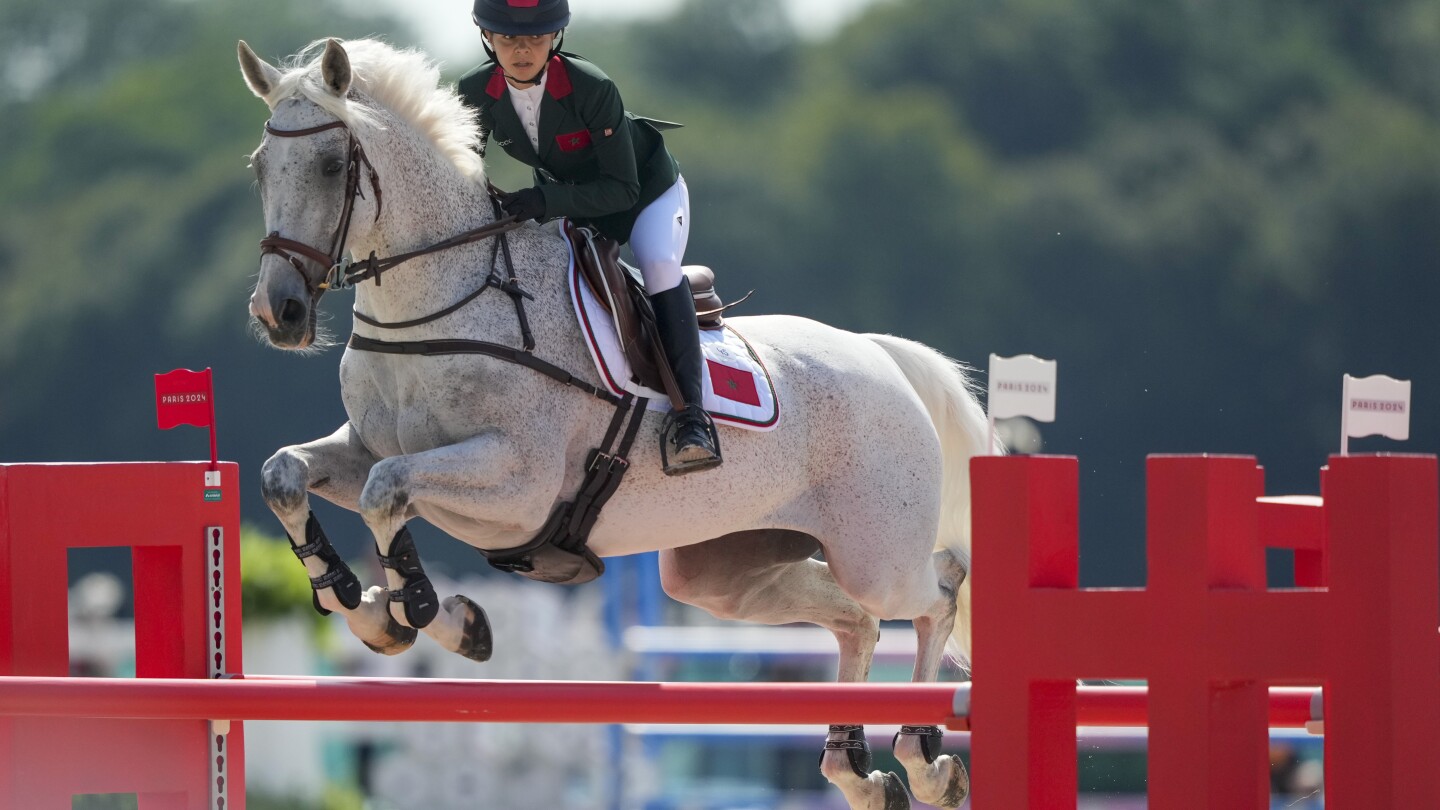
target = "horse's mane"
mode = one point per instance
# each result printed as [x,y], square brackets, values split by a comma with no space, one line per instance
[405,82]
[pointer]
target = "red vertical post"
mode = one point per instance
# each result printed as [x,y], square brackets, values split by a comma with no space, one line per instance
[1030,519]
[1208,732]
[161,511]
[160,611]
[1382,703]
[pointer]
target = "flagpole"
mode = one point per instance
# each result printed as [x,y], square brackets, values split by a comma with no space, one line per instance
[214,454]
[1345,416]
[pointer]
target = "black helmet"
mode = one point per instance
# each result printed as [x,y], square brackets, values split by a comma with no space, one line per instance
[521,17]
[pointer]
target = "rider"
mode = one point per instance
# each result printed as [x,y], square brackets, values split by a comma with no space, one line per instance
[600,166]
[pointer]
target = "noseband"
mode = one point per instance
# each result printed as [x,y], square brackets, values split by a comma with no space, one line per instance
[289,248]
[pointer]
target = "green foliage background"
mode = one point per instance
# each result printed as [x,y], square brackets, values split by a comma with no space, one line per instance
[1207,212]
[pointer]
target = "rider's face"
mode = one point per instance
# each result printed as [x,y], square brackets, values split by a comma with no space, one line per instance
[522,57]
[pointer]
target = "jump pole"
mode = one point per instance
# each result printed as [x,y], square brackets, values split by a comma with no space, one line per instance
[432,700]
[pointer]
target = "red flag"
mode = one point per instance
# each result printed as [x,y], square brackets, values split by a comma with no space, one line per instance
[184,397]
[732,383]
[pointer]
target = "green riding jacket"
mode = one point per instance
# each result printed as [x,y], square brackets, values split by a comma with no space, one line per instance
[598,164]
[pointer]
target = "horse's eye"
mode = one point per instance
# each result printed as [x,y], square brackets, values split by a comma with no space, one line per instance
[334,167]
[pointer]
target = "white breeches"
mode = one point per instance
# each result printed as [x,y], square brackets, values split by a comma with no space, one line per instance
[659,237]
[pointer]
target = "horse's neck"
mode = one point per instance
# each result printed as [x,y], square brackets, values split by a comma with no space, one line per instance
[425,200]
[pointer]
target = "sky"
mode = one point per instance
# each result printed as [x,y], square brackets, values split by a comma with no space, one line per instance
[448,35]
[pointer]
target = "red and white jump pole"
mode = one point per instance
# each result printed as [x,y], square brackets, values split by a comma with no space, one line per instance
[432,700]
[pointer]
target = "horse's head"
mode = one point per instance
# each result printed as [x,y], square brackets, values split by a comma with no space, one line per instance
[309,169]
[321,194]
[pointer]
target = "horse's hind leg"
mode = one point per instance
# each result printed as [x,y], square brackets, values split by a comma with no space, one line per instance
[769,578]
[335,468]
[935,778]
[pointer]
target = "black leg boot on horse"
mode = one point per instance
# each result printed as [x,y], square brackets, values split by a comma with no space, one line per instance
[688,440]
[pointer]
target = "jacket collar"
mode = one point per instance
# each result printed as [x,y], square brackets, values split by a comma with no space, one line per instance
[557,83]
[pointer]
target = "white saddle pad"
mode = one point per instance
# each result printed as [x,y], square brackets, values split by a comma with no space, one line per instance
[738,390]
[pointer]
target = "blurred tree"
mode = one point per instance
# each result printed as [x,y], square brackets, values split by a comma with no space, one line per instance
[737,51]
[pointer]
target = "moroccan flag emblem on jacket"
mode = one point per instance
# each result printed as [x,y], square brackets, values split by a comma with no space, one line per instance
[573,141]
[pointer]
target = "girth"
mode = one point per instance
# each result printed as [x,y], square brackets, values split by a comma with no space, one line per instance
[558,553]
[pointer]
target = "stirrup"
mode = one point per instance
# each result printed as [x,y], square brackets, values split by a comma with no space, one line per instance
[694,456]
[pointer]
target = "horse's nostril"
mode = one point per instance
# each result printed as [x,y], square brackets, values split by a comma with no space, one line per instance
[292,312]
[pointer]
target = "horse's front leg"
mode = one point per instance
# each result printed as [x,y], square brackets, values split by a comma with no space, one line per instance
[335,468]
[480,480]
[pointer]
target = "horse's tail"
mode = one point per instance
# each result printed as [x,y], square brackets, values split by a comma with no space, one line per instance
[946,389]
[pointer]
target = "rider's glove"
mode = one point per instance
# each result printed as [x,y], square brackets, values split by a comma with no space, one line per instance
[527,203]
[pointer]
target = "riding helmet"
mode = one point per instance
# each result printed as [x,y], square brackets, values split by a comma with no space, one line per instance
[521,17]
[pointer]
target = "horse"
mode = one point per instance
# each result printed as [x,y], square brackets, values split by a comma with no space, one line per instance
[852,510]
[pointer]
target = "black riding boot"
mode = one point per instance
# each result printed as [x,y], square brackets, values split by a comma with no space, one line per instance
[688,441]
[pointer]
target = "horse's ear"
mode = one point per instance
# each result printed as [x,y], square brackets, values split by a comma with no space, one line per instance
[259,74]
[335,68]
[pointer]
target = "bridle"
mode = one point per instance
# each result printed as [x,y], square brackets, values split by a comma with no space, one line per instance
[340,272]
[289,248]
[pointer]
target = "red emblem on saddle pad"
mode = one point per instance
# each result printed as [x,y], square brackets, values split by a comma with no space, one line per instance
[735,384]
[573,141]
[522,3]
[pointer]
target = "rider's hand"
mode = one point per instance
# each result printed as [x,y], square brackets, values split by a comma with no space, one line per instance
[527,203]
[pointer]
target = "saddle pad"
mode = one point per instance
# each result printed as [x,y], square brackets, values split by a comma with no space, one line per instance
[738,389]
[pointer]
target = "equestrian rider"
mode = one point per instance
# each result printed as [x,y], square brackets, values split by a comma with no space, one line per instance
[600,166]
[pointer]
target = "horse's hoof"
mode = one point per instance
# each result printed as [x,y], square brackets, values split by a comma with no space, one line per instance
[398,638]
[895,796]
[476,642]
[959,787]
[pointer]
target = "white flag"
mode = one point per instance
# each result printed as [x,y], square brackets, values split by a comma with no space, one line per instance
[1022,386]
[1376,405]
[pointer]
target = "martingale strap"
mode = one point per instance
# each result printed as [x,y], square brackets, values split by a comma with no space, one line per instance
[509,354]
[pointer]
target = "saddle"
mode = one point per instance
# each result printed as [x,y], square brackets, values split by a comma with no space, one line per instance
[621,291]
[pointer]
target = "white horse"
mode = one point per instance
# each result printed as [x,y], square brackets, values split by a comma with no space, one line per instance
[366,150]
